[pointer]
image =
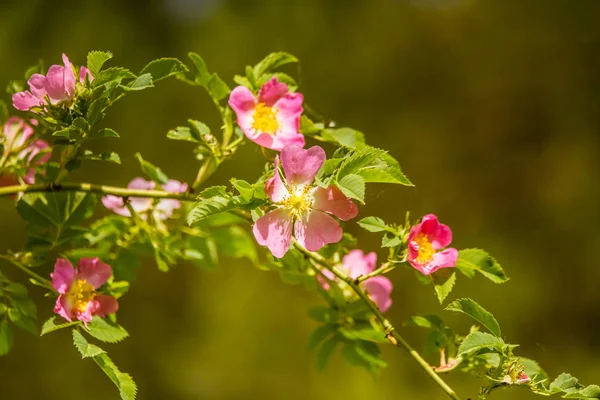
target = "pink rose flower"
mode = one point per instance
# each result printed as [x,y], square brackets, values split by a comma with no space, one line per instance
[56,87]
[301,204]
[273,119]
[18,133]
[142,205]
[77,289]
[355,264]
[424,241]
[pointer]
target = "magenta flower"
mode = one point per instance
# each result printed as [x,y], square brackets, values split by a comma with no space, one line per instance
[18,136]
[142,205]
[56,87]
[424,241]
[301,205]
[273,119]
[77,289]
[355,264]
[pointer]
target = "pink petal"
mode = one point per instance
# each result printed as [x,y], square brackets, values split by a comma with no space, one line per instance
[274,187]
[274,230]
[243,103]
[116,204]
[83,71]
[275,142]
[317,229]
[165,208]
[329,275]
[63,275]
[141,204]
[301,166]
[141,183]
[55,84]
[334,201]
[94,272]
[23,101]
[29,177]
[379,289]
[34,149]
[272,91]
[174,186]
[105,305]
[445,259]
[357,263]
[63,308]
[37,84]
[88,312]
[69,77]
[438,234]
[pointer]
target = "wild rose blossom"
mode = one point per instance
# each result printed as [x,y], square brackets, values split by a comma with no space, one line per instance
[424,241]
[141,205]
[355,264]
[17,134]
[273,119]
[56,87]
[301,204]
[77,289]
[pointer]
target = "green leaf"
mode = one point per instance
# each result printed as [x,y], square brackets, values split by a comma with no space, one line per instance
[370,335]
[69,133]
[109,157]
[479,341]
[476,260]
[113,74]
[325,351]
[373,224]
[217,88]
[140,83]
[96,111]
[3,112]
[103,133]
[184,133]
[353,186]
[364,354]
[126,385]
[96,59]
[23,321]
[151,171]
[234,241]
[211,201]
[390,241]
[57,209]
[50,325]
[201,76]
[346,137]
[6,337]
[373,165]
[478,313]
[106,331]
[429,321]
[443,282]
[163,68]
[85,349]
[564,383]
[273,61]
[245,189]
[323,314]
[321,333]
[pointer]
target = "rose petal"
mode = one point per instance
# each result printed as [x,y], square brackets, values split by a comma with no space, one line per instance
[272,91]
[334,201]
[55,84]
[23,101]
[83,71]
[243,103]
[63,275]
[69,77]
[301,166]
[274,230]
[274,187]
[357,263]
[106,305]
[95,272]
[379,289]
[63,308]
[317,229]
[438,234]
[445,259]
[37,84]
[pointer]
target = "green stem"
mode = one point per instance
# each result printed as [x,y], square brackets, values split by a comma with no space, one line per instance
[393,336]
[385,268]
[93,188]
[44,282]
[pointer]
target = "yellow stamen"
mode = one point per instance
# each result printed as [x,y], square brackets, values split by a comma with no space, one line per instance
[426,250]
[80,294]
[299,201]
[265,119]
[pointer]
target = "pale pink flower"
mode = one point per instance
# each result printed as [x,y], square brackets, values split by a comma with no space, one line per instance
[56,87]
[77,289]
[301,204]
[273,119]
[142,205]
[18,136]
[355,264]
[424,241]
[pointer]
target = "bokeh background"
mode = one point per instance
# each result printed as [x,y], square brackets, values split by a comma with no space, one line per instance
[492,108]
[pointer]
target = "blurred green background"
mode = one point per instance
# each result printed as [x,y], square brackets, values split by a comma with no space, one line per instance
[492,109]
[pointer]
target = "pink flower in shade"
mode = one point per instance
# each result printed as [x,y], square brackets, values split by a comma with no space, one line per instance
[301,205]
[56,87]
[273,119]
[18,133]
[77,289]
[142,205]
[424,241]
[355,264]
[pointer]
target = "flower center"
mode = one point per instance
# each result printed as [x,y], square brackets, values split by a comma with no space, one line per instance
[299,201]
[265,119]
[426,250]
[81,294]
